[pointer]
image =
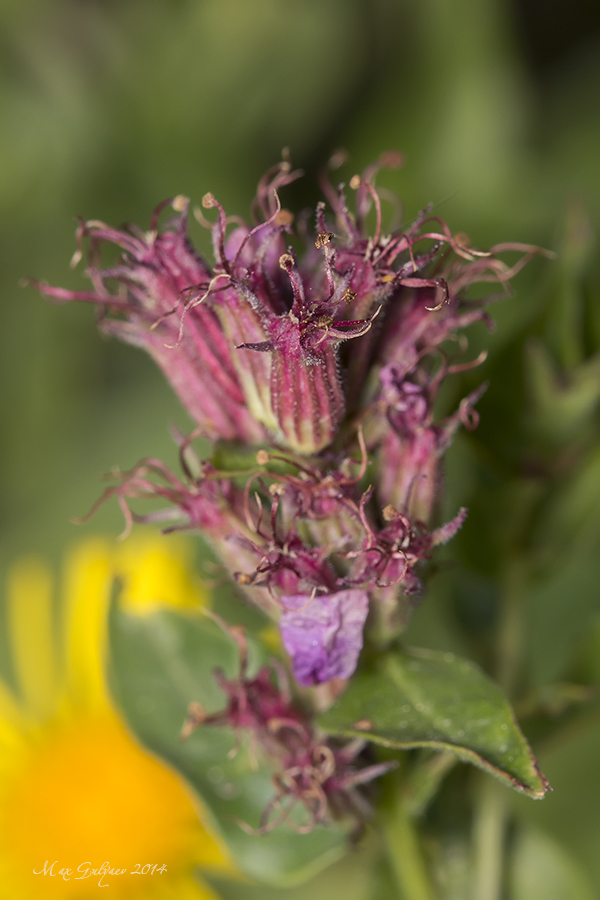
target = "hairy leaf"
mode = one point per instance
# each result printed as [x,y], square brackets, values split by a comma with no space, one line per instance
[420,698]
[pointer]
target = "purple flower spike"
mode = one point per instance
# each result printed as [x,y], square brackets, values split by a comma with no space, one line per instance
[324,635]
[325,365]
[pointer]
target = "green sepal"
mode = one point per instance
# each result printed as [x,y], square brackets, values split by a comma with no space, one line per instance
[241,459]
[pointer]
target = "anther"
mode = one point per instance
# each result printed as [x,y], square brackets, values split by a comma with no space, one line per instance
[196,716]
[179,202]
[337,159]
[389,513]
[283,217]
[323,238]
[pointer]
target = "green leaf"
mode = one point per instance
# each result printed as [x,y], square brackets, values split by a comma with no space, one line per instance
[420,698]
[158,665]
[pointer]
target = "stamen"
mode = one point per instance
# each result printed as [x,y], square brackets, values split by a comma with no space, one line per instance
[287,262]
[196,301]
[219,229]
[270,221]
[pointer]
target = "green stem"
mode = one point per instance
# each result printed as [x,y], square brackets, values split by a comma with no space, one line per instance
[425,779]
[489,824]
[510,626]
[491,813]
[402,843]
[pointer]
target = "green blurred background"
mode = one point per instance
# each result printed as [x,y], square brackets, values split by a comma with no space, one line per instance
[108,107]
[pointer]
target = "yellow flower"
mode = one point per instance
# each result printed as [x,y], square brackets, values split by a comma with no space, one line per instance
[77,794]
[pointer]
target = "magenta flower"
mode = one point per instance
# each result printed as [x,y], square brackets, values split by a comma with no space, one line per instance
[311,771]
[413,444]
[333,360]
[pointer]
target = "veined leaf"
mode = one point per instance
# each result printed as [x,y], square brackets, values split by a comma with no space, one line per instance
[420,698]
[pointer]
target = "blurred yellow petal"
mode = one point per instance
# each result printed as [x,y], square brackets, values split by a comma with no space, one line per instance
[12,723]
[157,570]
[87,585]
[86,791]
[209,854]
[75,786]
[31,634]
[11,714]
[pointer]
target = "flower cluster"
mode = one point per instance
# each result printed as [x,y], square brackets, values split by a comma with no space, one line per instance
[313,773]
[320,371]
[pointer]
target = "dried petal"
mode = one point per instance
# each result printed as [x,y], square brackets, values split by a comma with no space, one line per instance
[323,635]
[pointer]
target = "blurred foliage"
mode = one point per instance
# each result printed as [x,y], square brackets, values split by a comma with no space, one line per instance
[107,108]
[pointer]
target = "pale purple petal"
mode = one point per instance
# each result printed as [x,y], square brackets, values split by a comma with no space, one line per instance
[324,635]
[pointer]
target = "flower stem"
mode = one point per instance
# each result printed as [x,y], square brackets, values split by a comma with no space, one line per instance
[489,824]
[402,843]
[510,626]
[491,812]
